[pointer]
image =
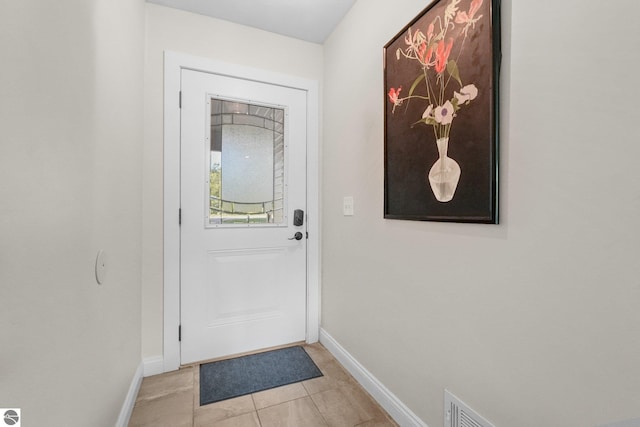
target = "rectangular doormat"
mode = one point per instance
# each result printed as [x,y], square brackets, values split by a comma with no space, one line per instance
[230,378]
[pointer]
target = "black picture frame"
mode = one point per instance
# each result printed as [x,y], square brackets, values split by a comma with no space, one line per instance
[441,97]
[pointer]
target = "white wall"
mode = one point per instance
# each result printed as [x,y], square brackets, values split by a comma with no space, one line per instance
[533,322]
[178,31]
[70,184]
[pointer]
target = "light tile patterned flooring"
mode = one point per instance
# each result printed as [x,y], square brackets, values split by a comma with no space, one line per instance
[334,400]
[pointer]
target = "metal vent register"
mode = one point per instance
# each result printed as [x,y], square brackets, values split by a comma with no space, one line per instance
[458,414]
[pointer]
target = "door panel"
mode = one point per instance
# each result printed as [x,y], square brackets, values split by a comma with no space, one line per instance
[238,291]
[243,281]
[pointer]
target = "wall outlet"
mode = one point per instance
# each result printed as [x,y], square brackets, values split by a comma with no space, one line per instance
[347,206]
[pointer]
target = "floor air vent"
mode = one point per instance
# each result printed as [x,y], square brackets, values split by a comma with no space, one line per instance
[458,414]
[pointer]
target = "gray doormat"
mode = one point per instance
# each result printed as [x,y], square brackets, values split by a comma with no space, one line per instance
[257,372]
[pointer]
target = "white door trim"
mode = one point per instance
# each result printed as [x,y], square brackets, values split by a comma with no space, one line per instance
[173,64]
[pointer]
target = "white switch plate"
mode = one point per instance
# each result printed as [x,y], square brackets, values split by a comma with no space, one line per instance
[347,206]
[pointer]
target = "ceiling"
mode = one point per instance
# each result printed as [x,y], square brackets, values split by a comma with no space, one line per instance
[310,20]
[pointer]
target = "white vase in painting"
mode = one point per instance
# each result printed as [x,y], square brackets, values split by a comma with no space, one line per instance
[444,174]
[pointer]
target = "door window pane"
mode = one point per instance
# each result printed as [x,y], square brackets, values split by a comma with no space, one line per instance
[246,166]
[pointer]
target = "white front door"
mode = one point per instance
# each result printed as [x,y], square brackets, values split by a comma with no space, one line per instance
[242,192]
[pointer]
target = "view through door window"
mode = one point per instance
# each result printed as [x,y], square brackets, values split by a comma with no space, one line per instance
[246,166]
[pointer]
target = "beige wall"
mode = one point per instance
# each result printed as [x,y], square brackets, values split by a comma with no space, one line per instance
[533,322]
[527,321]
[70,184]
[178,31]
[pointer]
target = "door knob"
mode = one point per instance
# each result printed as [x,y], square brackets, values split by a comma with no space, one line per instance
[297,236]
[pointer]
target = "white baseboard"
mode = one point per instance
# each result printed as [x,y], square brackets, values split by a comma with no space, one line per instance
[130,400]
[394,407]
[153,366]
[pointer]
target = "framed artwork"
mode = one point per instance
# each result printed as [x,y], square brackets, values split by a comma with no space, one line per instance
[441,75]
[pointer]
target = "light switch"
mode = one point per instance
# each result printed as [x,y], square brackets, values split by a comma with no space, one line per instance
[347,206]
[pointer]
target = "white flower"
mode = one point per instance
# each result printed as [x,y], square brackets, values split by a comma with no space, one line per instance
[444,113]
[467,93]
[450,12]
[470,90]
[427,112]
[461,98]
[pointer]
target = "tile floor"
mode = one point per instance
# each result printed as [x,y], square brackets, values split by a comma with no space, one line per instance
[334,400]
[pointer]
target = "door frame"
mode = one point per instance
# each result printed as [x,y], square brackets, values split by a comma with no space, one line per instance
[174,63]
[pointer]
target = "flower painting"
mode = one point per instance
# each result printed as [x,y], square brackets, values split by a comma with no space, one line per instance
[441,93]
